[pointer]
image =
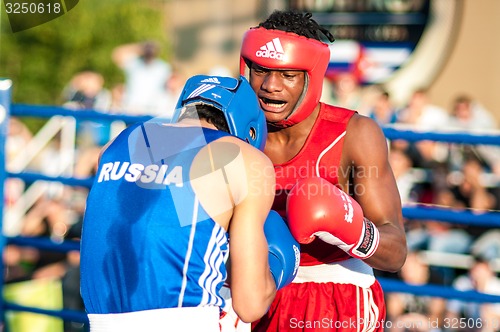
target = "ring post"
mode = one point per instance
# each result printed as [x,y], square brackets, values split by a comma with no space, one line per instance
[5,95]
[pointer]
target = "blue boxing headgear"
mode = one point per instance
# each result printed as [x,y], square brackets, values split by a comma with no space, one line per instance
[235,98]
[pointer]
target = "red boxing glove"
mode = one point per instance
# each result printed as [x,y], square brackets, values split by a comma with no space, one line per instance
[317,208]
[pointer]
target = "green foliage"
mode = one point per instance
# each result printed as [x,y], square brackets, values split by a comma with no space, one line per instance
[40,61]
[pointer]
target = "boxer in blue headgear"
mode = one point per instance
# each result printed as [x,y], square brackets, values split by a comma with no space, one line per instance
[166,201]
[237,101]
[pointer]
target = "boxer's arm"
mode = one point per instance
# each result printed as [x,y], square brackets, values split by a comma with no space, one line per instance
[252,284]
[374,187]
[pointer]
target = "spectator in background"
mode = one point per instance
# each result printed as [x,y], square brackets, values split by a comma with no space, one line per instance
[470,190]
[383,112]
[117,93]
[488,244]
[18,138]
[59,219]
[168,101]
[469,115]
[86,91]
[416,272]
[482,278]
[421,114]
[344,90]
[146,77]
[437,236]
[406,180]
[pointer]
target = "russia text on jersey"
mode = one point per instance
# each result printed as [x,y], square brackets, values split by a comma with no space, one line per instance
[159,174]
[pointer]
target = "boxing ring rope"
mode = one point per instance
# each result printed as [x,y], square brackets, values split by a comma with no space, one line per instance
[460,217]
[390,285]
[396,132]
[49,111]
[464,217]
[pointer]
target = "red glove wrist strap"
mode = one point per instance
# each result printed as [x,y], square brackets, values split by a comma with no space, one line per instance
[369,241]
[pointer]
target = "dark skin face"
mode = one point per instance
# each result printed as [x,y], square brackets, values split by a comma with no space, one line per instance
[278,90]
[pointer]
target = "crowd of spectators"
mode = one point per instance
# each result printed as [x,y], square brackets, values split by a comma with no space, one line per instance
[456,176]
[442,174]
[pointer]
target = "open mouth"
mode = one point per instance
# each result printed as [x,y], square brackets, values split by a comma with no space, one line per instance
[272,105]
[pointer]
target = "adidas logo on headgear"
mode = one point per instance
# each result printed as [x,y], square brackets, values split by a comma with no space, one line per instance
[211,80]
[201,89]
[272,50]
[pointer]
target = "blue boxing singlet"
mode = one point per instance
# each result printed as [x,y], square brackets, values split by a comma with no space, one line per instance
[146,241]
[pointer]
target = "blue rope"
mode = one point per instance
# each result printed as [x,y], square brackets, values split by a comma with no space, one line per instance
[68,315]
[390,132]
[396,286]
[30,177]
[44,243]
[455,137]
[463,217]
[49,111]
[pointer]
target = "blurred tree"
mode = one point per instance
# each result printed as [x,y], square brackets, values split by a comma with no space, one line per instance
[41,60]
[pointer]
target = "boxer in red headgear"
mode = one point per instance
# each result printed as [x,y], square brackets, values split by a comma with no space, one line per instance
[286,51]
[333,183]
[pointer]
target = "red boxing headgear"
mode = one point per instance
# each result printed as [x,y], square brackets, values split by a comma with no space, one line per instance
[281,50]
